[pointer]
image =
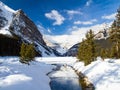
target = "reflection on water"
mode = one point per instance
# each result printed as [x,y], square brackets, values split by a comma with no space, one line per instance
[61,83]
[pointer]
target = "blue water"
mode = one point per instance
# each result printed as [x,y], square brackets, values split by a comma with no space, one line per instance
[69,83]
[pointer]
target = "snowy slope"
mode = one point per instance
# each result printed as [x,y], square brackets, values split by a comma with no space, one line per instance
[54,44]
[65,41]
[7,13]
[105,75]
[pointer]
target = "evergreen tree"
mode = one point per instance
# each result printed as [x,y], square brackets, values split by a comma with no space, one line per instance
[91,45]
[87,49]
[113,53]
[27,53]
[23,51]
[82,53]
[104,53]
[115,35]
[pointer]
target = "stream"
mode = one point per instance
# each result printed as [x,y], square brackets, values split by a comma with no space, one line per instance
[64,78]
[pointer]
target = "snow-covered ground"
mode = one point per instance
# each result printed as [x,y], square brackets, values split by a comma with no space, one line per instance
[57,60]
[17,76]
[105,75]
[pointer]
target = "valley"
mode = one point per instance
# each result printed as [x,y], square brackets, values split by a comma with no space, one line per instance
[68,48]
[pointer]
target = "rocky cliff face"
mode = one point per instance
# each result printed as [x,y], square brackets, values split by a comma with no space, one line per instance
[22,26]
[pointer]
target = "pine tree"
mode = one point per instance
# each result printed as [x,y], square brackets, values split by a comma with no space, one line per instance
[115,34]
[91,45]
[113,52]
[87,49]
[27,53]
[82,52]
[22,51]
[30,52]
[104,53]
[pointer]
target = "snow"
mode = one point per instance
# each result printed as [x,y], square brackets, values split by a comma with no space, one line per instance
[5,32]
[8,14]
[65,41]
[11,79]
[57,60]
[7,8]
[54,44]
[75,35]
[17,76]
[105,75]
[64,71]
[44,52]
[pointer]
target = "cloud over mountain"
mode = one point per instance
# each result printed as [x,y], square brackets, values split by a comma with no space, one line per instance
[109,17]
[55,15]
[85,22]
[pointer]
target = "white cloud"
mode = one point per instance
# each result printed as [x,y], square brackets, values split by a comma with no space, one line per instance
[73,12]
[88,3]
[85,22]
[55,15]
[109,17]
[83,30]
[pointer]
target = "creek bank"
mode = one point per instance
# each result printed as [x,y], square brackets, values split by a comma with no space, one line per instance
[63,77]
[84,81]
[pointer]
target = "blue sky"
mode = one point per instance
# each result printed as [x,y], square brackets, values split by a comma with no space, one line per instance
[60,16]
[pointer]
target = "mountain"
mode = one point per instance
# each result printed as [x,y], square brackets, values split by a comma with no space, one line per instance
[66,41]
[63,42]
[101,39]
[16,25]
[55,45]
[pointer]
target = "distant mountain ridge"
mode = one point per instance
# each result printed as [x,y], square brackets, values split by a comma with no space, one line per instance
[101,39]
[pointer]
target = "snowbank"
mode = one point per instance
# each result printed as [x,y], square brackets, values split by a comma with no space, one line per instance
[105,75]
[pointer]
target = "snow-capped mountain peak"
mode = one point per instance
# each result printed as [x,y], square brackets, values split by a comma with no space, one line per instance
[6,15]
[17,23]
[5,7]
